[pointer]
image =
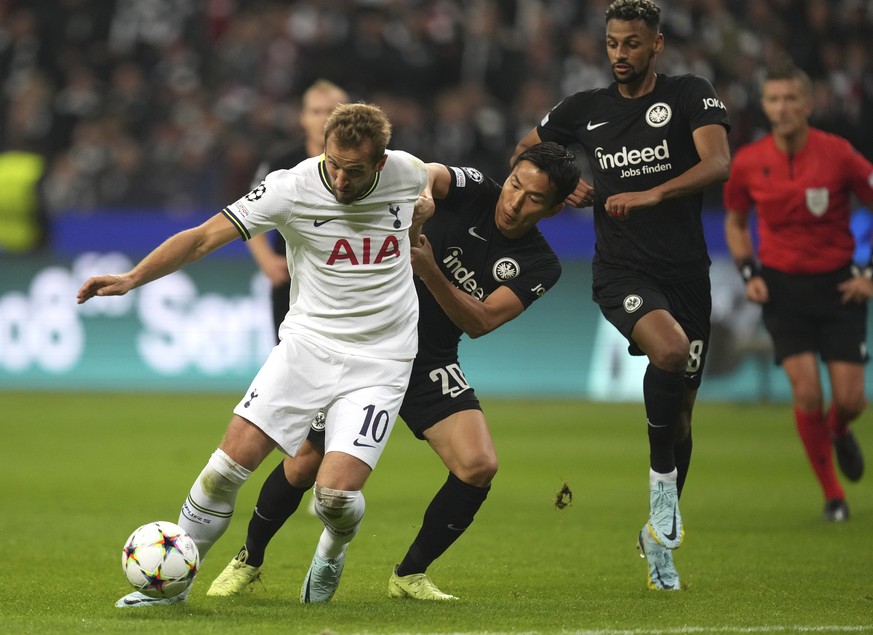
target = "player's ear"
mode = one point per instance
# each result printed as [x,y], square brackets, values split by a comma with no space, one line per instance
[659,44]
[381,163]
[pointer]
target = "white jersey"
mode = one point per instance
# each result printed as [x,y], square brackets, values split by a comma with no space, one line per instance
[352,282]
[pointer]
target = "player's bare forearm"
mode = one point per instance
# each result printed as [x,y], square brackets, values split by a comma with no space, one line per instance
[702,176]
[714,167]
[173,254]
[738,236]
[472,316]
[582,196]
[421,213]
[469,314]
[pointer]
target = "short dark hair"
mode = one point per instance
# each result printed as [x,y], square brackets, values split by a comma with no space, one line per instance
[630,10]
[784,68]
[557,162]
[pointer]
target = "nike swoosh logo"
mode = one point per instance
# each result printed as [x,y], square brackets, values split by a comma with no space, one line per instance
[592,126]
[472,232]
[367,445]
[672,534]
[319,223]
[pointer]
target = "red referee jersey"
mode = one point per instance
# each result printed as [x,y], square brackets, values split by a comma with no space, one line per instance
[802,201]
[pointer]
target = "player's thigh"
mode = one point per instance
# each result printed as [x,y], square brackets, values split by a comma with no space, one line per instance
[297,380]
[463,442]
[437,389]
[246,443]
[360,419]
[802,372]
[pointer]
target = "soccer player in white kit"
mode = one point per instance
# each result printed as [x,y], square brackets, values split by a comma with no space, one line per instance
[347,342]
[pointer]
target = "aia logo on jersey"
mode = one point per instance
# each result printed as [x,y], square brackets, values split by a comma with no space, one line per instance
[658,115]
[361,253]
[505,269]
[632,303]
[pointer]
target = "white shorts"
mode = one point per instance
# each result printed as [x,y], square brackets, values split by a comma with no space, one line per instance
[361,397]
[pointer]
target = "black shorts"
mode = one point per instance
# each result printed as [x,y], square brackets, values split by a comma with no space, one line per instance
[805,314]
[625,296]
[436,390]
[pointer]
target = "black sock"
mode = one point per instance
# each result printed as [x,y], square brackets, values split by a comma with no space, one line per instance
[450,512]
[682,452]
[662,393]
[276,502]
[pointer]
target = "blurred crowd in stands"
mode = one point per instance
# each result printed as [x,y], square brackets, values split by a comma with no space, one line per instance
[172,103]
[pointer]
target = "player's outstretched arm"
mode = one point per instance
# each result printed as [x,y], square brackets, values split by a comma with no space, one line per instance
[474,317]
[173,254]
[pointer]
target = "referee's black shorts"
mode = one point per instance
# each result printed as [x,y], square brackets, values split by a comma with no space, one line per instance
[806,315]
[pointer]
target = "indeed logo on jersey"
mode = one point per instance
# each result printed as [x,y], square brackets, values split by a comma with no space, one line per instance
[460,275]
[646,158]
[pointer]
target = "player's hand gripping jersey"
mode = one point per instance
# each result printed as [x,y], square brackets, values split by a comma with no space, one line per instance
[334,249]
[634,145]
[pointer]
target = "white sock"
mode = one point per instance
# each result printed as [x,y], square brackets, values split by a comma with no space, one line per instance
[669,477]
[341,511]
[208,509]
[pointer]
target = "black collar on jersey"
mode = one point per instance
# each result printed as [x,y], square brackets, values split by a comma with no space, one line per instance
[325,179]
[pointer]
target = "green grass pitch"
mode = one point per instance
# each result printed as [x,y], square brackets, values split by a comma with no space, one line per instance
[80,472]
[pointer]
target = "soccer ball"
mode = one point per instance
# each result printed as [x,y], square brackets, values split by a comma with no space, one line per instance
[160,560]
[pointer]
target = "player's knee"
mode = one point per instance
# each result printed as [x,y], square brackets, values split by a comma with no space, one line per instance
[479,472]
[672,358]
[340,510]
[851,406]
[301,470]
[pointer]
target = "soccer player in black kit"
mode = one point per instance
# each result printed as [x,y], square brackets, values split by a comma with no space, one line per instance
[480,262]
[654,143]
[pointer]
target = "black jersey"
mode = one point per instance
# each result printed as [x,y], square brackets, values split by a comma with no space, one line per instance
[473,254]
[634,145]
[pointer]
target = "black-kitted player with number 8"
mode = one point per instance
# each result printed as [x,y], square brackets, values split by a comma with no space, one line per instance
[480,262]
[653,143]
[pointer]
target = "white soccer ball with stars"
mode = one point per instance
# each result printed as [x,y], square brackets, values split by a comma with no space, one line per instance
[160,560]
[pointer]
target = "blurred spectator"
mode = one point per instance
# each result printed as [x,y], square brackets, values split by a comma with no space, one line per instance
[159,103]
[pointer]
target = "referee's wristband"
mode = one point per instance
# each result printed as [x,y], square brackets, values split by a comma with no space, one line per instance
[866,272]
[748,268]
